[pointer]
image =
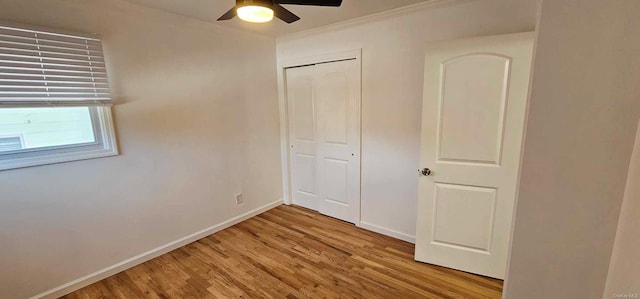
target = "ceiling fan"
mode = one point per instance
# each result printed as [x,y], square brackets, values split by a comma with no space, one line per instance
[261,11]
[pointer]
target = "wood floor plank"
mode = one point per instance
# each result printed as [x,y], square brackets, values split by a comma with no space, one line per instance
[294,253]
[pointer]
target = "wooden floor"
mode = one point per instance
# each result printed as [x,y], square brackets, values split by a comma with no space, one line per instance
[290,252]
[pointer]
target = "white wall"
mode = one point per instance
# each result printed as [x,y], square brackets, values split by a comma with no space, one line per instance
[192,134]
[584,112]
[624,270]
[393,52]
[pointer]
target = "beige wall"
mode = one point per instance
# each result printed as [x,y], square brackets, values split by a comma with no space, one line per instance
[393,53]
[583,116]
[624,270]
[197,120]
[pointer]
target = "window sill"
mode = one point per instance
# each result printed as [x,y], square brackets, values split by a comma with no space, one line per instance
[46,159]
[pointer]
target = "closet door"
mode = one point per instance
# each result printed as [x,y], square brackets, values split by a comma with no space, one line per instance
[302,137]
[324,132]
[338,103]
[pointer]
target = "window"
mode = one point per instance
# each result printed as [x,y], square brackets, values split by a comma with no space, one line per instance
[10,143]
[55,103]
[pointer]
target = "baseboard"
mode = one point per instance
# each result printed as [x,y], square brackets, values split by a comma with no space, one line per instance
[387,232]
[141,258]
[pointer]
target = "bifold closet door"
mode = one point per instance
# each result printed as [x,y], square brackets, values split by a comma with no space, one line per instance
[302,137]
[324,135]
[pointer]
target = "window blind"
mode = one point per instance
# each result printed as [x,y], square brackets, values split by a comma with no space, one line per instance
[44,68]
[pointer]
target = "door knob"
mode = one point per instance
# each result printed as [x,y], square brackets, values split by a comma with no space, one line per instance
[425,171]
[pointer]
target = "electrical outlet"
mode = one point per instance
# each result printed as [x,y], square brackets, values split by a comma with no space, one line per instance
[239,199]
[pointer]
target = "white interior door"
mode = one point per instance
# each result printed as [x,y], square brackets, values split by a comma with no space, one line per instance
[302,137]
[473,117]
[324,132]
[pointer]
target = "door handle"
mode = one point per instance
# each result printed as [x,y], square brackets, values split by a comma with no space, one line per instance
[425,171]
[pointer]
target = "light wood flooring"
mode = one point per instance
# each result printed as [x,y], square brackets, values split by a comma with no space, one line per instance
[291,252]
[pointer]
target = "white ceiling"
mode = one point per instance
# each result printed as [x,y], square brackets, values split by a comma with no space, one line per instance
[312,16]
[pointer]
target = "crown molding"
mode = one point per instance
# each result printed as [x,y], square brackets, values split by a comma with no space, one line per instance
[393,13]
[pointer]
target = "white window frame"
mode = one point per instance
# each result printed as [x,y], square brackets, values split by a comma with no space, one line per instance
[104,146]
[105,143]
[19,136]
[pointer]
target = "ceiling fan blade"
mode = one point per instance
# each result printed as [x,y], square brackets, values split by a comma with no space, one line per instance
[311,2]
[228,15]
[284,14]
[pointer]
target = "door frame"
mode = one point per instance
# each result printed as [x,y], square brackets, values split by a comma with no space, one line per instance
[283,65]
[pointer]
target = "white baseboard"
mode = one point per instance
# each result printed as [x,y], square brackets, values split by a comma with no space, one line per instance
[141,258]
[387,232]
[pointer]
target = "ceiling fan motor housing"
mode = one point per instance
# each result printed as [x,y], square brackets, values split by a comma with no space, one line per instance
[263,3]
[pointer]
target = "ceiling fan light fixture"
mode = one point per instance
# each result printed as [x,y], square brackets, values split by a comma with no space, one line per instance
[262,11]
[255,13]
